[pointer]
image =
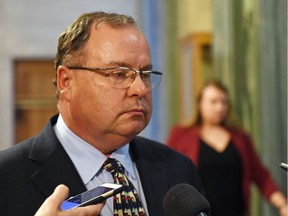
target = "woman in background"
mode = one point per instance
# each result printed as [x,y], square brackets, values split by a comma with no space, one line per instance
[224,155]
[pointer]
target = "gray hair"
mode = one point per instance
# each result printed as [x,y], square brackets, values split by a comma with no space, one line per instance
[72,41]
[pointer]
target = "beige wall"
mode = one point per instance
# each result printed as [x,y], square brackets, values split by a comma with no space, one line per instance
[194,16]
[183,18]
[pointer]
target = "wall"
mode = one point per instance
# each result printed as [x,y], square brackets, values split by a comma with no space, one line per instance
[250,39]
[184,17]
[194,16]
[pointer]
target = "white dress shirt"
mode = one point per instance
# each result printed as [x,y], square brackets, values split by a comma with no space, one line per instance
[88,162]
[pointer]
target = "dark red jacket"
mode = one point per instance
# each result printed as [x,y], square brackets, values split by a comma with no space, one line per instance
[186,141]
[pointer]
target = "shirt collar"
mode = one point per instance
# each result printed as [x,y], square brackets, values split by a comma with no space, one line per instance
[87,159]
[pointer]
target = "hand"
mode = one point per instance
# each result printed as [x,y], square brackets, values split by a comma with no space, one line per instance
[51,206]
[283,211]
[279,201]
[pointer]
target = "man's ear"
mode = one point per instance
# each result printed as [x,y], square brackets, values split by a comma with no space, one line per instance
[64,82]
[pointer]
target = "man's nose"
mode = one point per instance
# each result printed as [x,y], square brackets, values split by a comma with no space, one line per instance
[138,87]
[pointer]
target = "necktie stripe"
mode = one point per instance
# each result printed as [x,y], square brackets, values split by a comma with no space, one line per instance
[126,203]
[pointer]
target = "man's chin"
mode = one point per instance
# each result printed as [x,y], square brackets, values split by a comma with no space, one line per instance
[134,129]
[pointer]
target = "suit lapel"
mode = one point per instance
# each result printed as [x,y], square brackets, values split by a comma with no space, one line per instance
[152,173]
[55,165]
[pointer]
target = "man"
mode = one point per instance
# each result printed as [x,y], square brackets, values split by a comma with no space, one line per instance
[104,81]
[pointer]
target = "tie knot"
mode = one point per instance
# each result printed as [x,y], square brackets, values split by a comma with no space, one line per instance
[113,166]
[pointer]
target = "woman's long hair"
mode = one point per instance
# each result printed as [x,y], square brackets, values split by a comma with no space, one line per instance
[197,120]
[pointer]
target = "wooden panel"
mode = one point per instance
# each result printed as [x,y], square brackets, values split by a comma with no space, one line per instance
[35,100]
[195,66]
[34,78]
[31,121]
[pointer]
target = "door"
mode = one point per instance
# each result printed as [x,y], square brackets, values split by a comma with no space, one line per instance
[35,100]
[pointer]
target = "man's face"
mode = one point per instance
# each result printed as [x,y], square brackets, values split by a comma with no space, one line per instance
[96,108]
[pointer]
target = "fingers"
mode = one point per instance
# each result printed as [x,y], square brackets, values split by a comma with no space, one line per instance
[52,203]
[283,211]
[59,195]
[91,210]
[51,206]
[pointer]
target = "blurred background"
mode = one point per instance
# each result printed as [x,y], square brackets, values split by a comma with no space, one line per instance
[242,43]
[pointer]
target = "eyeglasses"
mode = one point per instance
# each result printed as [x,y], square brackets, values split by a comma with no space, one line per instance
[123,77]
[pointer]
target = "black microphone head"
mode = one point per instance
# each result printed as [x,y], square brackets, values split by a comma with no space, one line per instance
[184,200]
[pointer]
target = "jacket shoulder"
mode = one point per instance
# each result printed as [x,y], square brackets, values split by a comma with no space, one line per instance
[16,153]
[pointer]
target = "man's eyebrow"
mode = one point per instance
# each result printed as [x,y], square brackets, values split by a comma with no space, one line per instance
[124,64]
[147,67]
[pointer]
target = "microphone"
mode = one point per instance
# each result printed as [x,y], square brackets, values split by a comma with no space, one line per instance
[284,166]
[184,200]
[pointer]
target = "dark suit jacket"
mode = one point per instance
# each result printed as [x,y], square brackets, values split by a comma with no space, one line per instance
[30,171]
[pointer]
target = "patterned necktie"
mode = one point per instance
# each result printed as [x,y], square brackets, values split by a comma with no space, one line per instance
[126,203]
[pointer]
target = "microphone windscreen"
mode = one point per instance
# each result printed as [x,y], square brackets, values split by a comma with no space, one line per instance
[184,200]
